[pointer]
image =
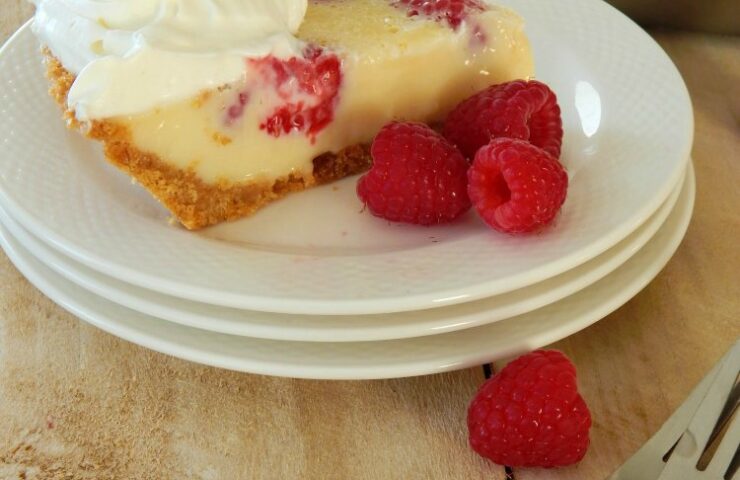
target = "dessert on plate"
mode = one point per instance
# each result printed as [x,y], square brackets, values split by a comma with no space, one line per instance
[218,107]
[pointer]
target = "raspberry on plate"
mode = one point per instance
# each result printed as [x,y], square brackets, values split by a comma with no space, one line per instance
[530,414]
[417,176]
[515,186]
[526,110]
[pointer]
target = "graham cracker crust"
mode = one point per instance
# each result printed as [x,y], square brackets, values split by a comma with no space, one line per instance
[195,203]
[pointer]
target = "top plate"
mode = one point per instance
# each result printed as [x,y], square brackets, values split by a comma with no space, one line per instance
[628,124]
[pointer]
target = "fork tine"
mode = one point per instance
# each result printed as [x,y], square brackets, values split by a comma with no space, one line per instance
[694,440]
[647,462]
[726,450]
[733,471]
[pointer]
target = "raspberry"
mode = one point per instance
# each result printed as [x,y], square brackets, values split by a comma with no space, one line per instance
[518,109]
[453,12]
[308,85]
[417,176]
[515,186]
[530,414]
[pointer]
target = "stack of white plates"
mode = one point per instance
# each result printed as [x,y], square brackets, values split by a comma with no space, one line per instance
[313,286]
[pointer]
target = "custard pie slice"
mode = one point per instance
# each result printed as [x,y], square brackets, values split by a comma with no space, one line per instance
[220,107]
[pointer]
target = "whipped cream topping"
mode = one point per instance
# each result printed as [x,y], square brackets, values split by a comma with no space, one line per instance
[130,56]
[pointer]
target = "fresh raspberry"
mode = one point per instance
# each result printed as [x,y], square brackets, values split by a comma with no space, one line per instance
[530,414]
[417,176]
[518,109]
[308,85]
[453,12]
[515,186]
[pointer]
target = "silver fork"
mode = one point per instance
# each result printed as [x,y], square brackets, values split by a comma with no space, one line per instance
[680,448]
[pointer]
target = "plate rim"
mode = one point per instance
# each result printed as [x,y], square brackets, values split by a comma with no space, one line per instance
[217,359]
[483,314]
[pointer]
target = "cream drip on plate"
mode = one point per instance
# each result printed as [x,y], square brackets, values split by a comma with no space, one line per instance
[169,49]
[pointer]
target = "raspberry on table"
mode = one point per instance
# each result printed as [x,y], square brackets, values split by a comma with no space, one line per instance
[417,176]
[530,414]
[526,110]
[515,186]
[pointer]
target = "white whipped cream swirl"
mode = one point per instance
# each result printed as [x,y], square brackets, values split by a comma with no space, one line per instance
[132,55]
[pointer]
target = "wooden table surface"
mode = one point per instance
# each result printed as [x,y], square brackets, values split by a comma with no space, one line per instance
[77,403]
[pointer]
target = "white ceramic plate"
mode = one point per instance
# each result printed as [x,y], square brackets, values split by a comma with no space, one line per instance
[395,358]
[628,123]
[337,328]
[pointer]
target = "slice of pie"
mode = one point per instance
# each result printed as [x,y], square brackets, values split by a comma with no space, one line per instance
[219,107]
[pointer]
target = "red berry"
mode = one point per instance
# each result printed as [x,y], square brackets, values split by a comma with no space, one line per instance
[515,186]
[530,414]
[453,12]
[309,87]
[417,176]
[518,109]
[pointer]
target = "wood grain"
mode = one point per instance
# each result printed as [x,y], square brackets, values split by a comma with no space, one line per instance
[78,403]
[12,15]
